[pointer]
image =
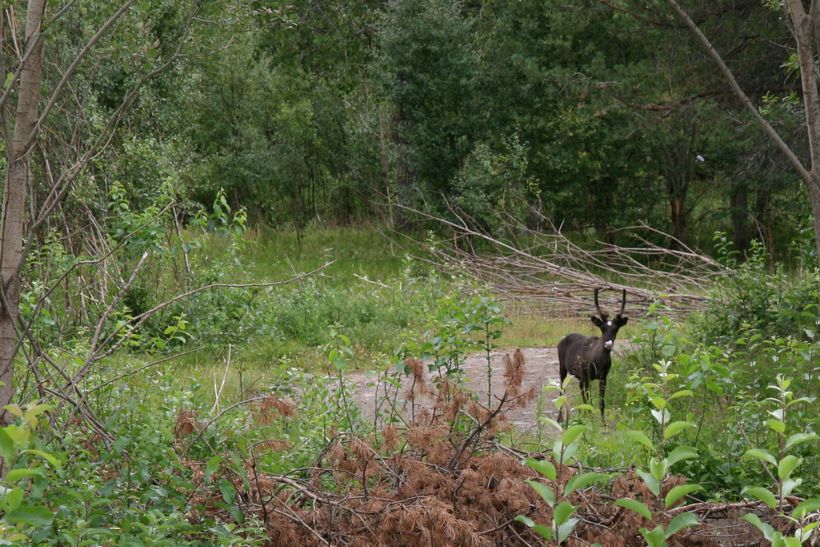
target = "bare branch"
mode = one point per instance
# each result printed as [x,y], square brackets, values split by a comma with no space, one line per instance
[73,67]
[127,329]
[140,369]
[744,99]
[555,275]
[92,346]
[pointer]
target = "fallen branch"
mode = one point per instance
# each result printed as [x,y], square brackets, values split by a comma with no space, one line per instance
[545,269]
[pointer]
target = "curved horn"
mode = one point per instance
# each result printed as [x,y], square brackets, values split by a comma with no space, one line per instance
[623,304]
[597,307]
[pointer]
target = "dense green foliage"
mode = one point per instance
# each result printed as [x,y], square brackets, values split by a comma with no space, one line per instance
[666,391]
[598,118]
[315,112]
[163,297]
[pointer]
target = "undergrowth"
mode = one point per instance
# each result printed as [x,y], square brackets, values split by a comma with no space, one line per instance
[228,417]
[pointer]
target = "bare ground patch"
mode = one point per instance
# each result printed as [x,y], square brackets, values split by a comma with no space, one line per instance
[541,369]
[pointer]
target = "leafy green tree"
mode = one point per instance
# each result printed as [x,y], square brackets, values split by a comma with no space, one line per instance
[428,69]
[802,24]
[54,130]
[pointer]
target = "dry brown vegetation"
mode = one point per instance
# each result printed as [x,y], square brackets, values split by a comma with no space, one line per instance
[436,481]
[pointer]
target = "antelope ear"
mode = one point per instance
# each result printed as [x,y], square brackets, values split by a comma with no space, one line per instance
[596,320]
[623,320]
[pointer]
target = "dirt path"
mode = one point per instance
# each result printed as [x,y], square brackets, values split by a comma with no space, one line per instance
[541,367]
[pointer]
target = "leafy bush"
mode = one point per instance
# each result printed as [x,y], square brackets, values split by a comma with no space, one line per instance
[492,186]
[753,297]
[79,489]
[730,381]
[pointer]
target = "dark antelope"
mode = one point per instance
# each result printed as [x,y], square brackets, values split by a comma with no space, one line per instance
[590,357]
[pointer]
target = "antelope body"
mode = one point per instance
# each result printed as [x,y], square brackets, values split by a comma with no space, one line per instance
[590,357]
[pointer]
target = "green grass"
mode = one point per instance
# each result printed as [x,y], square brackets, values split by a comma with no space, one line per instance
[533,332]
[280,254]
[372,293]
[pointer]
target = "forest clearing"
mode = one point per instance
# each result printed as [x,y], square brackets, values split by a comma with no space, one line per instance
[410,273]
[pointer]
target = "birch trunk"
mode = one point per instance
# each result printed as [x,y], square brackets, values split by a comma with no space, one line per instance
[806,31]
[14,198]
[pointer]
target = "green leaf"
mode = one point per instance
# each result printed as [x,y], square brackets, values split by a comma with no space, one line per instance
[569,452]
[543,467]
[676,427]
[31,414]
[668,350]
[760,454]
[20,435]
[540,529]
[655,538]
[11,500]
[546,420]
[579,482]
[566,529]
[787,465]
[684,520]
[33,515]
[765,529]
[680,453]
[658,469]
[16,474]
[776,425]
[805,507]
[14,409]
[799,438]
[635,506]
[339,362]
[546,493]
[572,433]
[805,532]
[212,466]
[527,521]
[50,458]
[650,481]
[543,531]
[228,491]
[682,393]
[761,494]
[778,414]
[678,492]
[789,485]
[659,402]
[7,449]
[800,400]
[562,512]
[640,437]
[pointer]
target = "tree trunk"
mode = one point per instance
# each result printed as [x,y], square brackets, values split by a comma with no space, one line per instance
[677,205]
[806,31]
[677,187]
[14,199]
[814,196]
[805,26]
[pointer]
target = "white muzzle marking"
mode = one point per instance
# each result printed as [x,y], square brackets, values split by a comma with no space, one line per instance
[608,344]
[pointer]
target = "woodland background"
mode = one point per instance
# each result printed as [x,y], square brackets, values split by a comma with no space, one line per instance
[217,213]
